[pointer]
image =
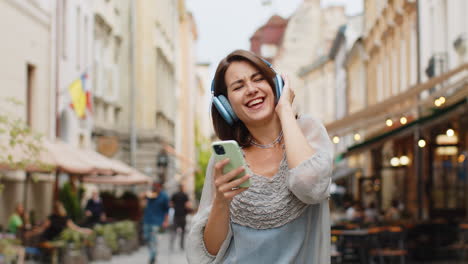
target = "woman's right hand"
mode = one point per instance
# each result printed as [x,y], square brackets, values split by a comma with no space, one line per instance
[226,187]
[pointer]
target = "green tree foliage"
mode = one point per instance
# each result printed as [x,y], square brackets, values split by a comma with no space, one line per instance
[71,201]
[202,145]
[17,137]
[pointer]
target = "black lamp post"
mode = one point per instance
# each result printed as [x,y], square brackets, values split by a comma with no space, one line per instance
[161,165]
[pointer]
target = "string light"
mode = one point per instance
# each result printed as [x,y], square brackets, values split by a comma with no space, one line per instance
[450,132]
[422,143]
[357,137]
[395,162]
[389,122]
[336,139]
[404,160]
[403,120]
[439,101]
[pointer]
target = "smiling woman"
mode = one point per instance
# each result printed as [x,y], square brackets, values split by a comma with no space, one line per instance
[246,69]
[283,217]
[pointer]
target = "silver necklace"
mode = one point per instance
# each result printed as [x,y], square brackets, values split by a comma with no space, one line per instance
[276,141]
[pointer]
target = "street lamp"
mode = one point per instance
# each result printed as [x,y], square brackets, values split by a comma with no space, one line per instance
[162,161]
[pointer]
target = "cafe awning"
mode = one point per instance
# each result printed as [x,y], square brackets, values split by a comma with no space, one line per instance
[350,122]
[57,155]
[73,160]
[409,128]
[135,177]
[108,166]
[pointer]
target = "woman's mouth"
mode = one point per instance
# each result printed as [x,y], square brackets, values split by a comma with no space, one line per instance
[255,103]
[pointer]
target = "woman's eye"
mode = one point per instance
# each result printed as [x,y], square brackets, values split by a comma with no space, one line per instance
[237,88]
[259,80]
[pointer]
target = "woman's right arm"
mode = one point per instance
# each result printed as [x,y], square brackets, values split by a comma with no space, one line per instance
[39,229]
[217,227]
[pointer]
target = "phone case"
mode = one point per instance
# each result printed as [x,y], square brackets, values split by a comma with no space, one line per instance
[234,153]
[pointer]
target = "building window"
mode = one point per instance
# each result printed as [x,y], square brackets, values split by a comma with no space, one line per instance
[403,82]
[64,28]
[78,37]
[30,82]
[379,82]
[85,44]
[117,112]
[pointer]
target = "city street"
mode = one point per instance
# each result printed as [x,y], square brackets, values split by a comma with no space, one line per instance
[165,256]
[120,116]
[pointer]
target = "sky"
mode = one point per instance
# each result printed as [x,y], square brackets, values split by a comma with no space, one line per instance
[227,25]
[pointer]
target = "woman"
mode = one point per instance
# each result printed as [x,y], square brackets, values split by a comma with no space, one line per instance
[283,217]
[56,223]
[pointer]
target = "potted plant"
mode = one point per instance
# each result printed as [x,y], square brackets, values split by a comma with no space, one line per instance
[8,251]
[100,249]
[73,244]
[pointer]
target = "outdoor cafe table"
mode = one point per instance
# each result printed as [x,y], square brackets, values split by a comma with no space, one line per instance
[358,239]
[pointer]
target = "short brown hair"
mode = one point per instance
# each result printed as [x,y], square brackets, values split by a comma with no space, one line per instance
[238,131]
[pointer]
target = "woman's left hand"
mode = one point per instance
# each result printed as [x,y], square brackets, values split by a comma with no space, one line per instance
[287,96]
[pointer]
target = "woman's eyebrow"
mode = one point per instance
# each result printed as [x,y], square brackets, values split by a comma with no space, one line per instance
[235,82]
[255,75]
[240,80]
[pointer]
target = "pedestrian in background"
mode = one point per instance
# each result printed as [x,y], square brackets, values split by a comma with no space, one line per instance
[181,204]
[371,215]
[94,210]
[56,223]
[393,212]
[18,220]
[283,217]
[155,217]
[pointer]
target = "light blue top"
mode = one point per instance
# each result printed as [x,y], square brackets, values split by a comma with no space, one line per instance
[291,243]
[282,219]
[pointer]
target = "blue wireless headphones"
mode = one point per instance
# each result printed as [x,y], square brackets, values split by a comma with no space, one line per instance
[222,103]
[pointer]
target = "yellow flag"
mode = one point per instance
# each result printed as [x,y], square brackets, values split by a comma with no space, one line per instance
[78,97]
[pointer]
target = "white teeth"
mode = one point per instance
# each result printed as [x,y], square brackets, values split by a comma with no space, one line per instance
[256,101]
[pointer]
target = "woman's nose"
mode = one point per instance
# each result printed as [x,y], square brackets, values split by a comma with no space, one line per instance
[251,88]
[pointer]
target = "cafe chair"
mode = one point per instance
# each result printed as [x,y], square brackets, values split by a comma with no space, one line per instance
[388,243]
[461,245]
[336,246]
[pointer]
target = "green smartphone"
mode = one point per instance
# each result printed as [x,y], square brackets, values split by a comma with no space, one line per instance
[231,150]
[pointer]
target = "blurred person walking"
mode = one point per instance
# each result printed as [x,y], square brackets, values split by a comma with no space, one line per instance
[283,217]
[155,217]
[181,204]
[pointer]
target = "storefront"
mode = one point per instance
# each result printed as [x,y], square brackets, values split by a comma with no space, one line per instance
[419,161]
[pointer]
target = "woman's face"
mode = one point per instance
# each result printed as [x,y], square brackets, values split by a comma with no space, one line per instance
[249,93]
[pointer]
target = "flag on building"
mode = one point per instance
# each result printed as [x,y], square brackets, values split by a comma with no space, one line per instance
[80,96]
[84,81]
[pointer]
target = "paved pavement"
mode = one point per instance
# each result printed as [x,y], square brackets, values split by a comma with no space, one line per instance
[165,255]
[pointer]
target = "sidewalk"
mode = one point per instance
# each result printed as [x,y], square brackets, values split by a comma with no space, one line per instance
[165,256]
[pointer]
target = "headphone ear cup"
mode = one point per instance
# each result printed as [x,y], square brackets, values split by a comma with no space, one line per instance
[279,83]
[222,110]
[228,107]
